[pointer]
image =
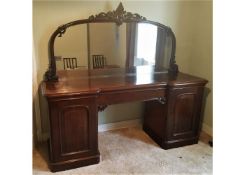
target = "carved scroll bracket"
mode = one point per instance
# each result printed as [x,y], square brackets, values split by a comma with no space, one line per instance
[102,107]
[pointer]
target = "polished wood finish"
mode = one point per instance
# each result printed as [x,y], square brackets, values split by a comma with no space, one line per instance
[74,132]
[172,113]
[75,82]
[178,122]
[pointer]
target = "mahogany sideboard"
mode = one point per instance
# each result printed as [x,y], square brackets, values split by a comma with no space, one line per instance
[171,118]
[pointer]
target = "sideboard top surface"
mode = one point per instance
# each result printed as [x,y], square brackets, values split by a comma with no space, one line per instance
[75,82]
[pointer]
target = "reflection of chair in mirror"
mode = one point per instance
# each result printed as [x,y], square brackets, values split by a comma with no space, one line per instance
[70,63]
[99,61]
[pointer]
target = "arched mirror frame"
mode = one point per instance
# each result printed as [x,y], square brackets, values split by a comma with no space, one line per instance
[118,16]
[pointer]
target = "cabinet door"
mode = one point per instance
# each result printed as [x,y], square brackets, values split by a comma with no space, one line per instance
[183,121]
[73,128]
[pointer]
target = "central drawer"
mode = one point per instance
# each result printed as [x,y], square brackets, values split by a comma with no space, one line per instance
[129,95]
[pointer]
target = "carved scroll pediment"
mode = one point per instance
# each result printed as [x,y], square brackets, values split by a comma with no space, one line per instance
[119,16]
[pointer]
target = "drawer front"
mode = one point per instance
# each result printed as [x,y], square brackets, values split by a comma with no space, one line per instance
[123,96]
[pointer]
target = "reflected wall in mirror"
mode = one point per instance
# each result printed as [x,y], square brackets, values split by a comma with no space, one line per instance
[109,41]
[108,45]
[73,44]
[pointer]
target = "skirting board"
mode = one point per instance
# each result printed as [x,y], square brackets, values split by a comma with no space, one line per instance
[127,124]
[207,129]
[119,125]
[107,127]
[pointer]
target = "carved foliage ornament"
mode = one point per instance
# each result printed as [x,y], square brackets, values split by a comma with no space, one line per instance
[119,16]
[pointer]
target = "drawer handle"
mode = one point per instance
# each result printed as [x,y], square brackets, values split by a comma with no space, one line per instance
[162,100]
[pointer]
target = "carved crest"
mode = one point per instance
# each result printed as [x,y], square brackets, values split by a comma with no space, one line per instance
[119,16]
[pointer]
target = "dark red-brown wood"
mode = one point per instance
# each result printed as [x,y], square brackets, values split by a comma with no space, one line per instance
[73,132]
[172,113]
[178,122]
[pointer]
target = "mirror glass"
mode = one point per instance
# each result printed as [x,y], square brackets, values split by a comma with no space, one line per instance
[107,45]
[73,44]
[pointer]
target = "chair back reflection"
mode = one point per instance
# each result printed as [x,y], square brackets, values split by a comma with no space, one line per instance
[70,63]
[99,61]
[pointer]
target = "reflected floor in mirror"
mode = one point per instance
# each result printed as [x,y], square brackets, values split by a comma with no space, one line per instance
[131,150]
